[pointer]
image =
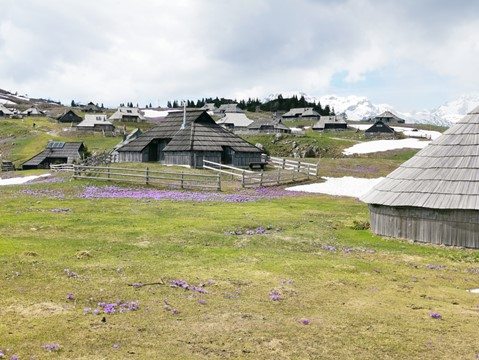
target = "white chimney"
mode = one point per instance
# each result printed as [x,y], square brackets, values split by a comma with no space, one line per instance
[183,126]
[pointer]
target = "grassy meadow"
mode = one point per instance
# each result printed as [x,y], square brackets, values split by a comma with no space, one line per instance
[90,270]
[101,271]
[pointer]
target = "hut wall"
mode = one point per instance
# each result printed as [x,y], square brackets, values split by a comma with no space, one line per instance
[132,156]
[178,158]
[435,226]
[242,159]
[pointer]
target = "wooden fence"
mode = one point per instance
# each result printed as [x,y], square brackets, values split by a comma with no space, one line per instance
[295,165]
[148,177]
[250,178]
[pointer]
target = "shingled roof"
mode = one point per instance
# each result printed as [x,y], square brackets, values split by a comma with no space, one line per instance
[444,175]
[56,149]
[200,133]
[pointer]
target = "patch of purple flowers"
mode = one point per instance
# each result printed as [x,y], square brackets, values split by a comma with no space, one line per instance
[435,267]
[259,230]
[305,322]
[111,308]
[70,296]
[51,347]
[347,250]
[185,285]
[71,273]
[49,194]
[94,192]
[275,295]
[435,316]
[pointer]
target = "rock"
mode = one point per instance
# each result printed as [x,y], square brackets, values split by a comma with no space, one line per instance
[259,146]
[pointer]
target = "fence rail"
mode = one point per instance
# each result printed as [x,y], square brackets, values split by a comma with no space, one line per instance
[257,179]
[295,165]
[61,167]
[148,177]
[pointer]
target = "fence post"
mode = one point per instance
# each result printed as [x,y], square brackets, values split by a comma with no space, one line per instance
[293,174]
[308,170]
[219,182]
[108,172]
[242,178]
[74,171]
[183,178]
[299,166]
[147,176]
[279,176]
[261,179]
[284,164]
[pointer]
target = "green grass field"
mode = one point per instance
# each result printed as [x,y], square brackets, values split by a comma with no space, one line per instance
[95,269]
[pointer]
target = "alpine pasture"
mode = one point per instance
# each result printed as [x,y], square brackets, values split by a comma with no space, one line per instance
[94,270]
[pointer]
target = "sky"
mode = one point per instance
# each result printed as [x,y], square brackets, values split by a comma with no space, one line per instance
[410,54]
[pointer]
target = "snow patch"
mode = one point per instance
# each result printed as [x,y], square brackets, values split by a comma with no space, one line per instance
[368,147]
[344,186]
[21,180]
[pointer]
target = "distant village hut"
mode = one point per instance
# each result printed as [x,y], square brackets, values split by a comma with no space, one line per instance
[56,152]
[268,126]
[379,129]
[96,122]
[5,112]
[91,107]
[70,117]
[389,117]
[330,123]
[33,111]
[132,114]
[434,196]
[301,114]
[235,121]
[188,138]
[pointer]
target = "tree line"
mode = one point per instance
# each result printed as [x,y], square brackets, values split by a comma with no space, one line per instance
[279,104]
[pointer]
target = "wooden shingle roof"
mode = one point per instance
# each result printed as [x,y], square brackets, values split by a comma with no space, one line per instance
[201,133]
[444,175]
[69,150]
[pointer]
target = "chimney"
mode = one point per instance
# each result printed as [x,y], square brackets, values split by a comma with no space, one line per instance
[183,126]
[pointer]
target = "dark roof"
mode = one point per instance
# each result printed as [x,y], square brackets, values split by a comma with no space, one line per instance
[201,133]
[70,116]
[379,126]
[276,123]
[56,149]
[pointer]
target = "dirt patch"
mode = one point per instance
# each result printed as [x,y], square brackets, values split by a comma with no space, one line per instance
[36,310]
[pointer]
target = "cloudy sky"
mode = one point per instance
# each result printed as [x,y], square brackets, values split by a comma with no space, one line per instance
[411,54]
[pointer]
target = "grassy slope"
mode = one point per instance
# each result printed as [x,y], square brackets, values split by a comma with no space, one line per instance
[361,305]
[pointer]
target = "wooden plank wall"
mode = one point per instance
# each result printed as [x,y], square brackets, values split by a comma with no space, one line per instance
[435,226]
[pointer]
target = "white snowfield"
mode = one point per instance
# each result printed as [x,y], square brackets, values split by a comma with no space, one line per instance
[20,180]
[344,186]
[384,145]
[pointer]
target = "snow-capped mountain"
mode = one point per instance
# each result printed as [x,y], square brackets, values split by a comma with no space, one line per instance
[361,108]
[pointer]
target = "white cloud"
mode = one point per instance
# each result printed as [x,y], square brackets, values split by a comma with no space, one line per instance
[149,51]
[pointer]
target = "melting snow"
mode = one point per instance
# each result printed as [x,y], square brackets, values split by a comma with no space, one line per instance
[344,186]
[384,145]
[20,180]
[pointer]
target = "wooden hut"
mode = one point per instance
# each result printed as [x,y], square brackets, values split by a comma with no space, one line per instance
[268,126]
[70,117]
[434,196]
[33,111]
[56,152]
[96,122]
[188,138]
[389,117]
[327,123]
[235,121]
[301,113]
[127,114]
[379,128]
[5,112]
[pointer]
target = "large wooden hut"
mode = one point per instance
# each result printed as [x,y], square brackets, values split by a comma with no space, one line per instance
[434,196]
[188,138]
